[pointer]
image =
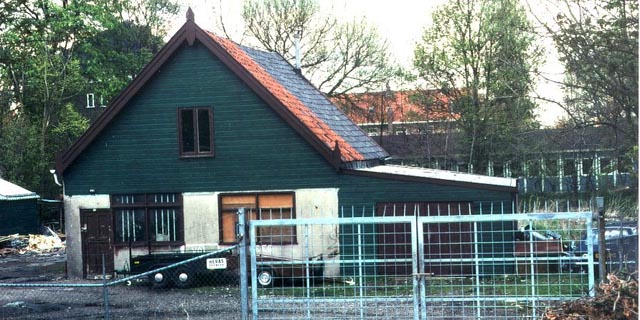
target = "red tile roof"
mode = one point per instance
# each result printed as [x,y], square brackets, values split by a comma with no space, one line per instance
[327,141]
[404,107]
[306,116]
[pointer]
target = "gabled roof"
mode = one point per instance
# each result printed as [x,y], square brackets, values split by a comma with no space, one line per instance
[272,78]
[10,191]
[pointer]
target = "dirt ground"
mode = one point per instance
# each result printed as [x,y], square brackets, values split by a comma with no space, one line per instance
[32,267]
[43,292]
[46,293]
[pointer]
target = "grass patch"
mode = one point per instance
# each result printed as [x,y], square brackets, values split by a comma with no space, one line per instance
[551,285]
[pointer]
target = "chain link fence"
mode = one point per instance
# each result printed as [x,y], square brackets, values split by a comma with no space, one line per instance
[401,262]
[189,285]
[443,262]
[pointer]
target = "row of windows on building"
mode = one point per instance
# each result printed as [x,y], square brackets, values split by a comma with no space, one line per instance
[157,219]
[557,167]
[561,174]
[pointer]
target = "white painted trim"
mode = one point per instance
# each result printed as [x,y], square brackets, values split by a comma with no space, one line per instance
[441,175]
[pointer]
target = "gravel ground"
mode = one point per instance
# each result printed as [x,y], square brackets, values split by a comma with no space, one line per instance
[47,294]
[136,302]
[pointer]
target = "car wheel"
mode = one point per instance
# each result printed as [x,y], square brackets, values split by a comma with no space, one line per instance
[159,280]
[265,278]
[183,277]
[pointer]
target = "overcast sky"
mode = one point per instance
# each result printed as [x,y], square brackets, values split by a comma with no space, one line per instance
[401,22]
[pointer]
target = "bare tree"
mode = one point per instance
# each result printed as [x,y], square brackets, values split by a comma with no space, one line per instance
[339,58]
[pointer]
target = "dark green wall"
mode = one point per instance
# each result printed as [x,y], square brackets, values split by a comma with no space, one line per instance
[254,148]
[19,216]
[361,192]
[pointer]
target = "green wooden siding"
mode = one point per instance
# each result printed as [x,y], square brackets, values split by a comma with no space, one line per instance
[19,216]
[366,192]
[254,148]
[362,194]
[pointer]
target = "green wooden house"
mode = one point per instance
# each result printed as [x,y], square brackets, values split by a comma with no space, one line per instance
[209,126]
[18,209]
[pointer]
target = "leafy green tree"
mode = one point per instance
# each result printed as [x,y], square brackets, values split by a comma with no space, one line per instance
[70,125]
[151,14]
[479,54]
[112,58]
[338,57]
[598,44]
[38,69]
[21,154]
[51,54]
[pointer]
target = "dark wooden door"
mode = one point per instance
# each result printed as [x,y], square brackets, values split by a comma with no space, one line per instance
[97,241]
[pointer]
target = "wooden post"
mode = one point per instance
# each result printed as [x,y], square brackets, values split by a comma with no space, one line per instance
[602,257]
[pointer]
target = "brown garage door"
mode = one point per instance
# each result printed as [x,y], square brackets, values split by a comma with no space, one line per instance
[441,240]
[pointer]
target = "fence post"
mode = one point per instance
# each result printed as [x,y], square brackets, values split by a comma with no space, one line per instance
[602,250]
[242,256]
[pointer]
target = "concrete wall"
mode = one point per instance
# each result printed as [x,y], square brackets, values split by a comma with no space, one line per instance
[201,229]
[72,207]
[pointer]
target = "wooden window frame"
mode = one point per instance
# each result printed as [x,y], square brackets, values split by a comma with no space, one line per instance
[147,205]
[256,195]
[196,133]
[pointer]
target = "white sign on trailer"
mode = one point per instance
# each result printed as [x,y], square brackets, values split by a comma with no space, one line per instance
[216,263]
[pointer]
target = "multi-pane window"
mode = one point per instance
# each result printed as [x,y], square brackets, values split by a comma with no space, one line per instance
[569,167]
[258,207]
[606,165]
[195,127]
[147,218]
[551,167]
[587,166]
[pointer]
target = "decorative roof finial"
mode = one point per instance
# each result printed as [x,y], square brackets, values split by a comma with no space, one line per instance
[190,16]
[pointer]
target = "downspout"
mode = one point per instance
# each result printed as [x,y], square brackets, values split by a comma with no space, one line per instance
[55,177]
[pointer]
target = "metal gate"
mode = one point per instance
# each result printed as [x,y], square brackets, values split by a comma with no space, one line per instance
[474,266]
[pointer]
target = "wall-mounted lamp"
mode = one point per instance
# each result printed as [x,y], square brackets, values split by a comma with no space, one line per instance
[92,191]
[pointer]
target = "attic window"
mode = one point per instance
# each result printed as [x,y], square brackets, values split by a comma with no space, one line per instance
[91,101]
[195,132]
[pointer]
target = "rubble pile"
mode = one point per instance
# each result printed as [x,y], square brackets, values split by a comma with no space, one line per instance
[49,241]
[617,299]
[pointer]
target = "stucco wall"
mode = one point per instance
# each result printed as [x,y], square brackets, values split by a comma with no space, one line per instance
[201,226]
[72,207]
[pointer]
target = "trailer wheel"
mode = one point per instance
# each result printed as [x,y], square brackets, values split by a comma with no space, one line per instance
[265,278]
[183,277]
[159,280]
